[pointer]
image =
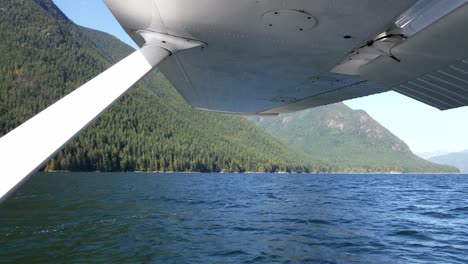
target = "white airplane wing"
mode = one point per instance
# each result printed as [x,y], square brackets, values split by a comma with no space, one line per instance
[432,66]
[269,57]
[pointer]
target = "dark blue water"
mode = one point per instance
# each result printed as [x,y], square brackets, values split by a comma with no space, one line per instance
[241,218]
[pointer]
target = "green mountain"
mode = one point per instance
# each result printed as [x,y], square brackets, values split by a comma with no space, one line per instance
[45,56]
[347,138]
[458,159]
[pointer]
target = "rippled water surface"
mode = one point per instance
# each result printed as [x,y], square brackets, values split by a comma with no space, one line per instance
[236,218]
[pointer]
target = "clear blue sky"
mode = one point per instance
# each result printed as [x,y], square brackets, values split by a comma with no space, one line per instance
[423,128]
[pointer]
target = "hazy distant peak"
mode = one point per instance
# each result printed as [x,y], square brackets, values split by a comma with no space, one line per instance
[456,159]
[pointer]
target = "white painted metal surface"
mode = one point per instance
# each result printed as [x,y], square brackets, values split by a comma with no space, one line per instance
[249,66]
[267,56]
[424,13]
[28,147]
[434,63]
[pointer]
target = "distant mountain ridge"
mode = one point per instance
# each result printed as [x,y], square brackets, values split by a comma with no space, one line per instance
[430,154]
[457,159]
[346,137]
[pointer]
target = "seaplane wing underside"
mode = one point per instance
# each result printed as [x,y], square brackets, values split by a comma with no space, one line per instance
[272,56]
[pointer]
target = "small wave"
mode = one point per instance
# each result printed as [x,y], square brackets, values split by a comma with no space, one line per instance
[408,208]
[460,209]
[46,231]
[165,199]
[195,202]
[257,259]
[240,228]
[334,244]
[235,206]
[411,234]
[443,186]
[345,221]
[319,222]
[231,253]
[305,221]
[438,215]
[416,245]
[345,244]
[108,220]
[265,258]
[272,196]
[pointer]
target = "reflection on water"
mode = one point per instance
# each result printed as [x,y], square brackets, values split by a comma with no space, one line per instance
[237,218]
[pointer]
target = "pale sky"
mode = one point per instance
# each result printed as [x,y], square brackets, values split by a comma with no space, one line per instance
[423,128]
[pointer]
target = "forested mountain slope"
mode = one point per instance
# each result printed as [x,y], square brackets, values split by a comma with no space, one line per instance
[347,138]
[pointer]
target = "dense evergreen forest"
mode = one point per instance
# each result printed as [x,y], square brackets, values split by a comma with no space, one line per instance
[44,56]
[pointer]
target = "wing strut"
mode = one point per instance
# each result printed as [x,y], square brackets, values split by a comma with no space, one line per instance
[28,147]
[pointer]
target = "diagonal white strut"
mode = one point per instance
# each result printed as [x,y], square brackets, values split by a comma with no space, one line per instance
[25,149]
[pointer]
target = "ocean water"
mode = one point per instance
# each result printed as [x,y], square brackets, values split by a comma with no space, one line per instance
[236,218]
